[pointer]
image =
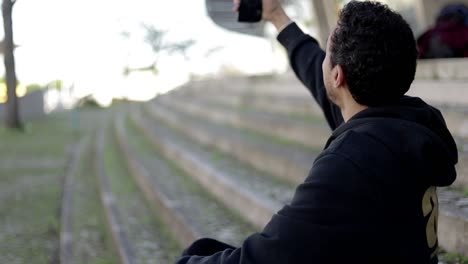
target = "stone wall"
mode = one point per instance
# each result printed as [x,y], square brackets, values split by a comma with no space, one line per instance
[31,106]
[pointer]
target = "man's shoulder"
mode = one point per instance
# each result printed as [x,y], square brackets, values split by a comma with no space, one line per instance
[355,140]
[361,148]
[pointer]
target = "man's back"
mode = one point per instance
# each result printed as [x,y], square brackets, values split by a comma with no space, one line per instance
[399,159]
[401,152]
[370,196]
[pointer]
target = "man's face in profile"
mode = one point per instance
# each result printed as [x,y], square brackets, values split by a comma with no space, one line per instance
[328,72]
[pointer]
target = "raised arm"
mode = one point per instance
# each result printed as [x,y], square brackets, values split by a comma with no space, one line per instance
[305,56]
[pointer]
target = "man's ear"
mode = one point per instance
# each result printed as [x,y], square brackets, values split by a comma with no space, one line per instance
[339,76]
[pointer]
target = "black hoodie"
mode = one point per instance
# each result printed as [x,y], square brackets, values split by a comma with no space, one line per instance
[370,196]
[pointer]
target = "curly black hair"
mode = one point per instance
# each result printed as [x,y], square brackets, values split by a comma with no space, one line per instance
[376,48]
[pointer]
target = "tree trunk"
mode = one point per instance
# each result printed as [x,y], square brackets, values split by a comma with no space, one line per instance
[12,119]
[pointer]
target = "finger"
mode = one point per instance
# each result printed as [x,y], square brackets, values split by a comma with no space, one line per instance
[235,8]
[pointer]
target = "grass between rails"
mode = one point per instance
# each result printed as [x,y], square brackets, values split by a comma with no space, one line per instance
[92,242]
[247,108]
[219,159]
[308,119]
[148,235]
[304,118]
[220,221]
[217,155]
[257,135]
[278,140]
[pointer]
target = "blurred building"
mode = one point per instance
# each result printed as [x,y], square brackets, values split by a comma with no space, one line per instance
[320,16]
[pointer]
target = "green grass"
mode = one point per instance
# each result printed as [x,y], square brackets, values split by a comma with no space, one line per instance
[29,223]
[465,192]
[30,215]
[142,145]
[13,175]
[116,168]
[278,140]
[217,155]
[263,136]
[462,190]
[453,258]
[47,135]
[308,119]
[123,186]
[247,108]
[92,239]
[460,147]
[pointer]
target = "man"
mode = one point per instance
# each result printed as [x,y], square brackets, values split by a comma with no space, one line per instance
[370,196]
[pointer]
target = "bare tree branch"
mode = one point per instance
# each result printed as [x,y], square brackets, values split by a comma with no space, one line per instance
[156,39]
[151,68]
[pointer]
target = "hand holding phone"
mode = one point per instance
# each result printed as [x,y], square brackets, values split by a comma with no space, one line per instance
[250,11]
[256,10]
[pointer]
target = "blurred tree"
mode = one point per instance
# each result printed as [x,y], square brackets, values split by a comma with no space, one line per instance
[155,38]
[57,84]
[12,118]
[33,87]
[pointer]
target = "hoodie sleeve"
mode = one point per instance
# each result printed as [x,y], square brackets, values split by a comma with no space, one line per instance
[306,59]
[334,209]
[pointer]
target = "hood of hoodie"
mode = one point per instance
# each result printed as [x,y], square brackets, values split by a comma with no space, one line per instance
[428,144]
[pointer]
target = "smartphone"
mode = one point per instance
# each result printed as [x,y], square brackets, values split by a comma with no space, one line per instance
[250,11]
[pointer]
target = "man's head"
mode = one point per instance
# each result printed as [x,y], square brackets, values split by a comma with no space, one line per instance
[372,53]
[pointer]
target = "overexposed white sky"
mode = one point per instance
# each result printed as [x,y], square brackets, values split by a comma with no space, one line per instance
[80,41]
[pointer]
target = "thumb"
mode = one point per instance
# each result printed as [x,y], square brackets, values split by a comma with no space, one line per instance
[236,4]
